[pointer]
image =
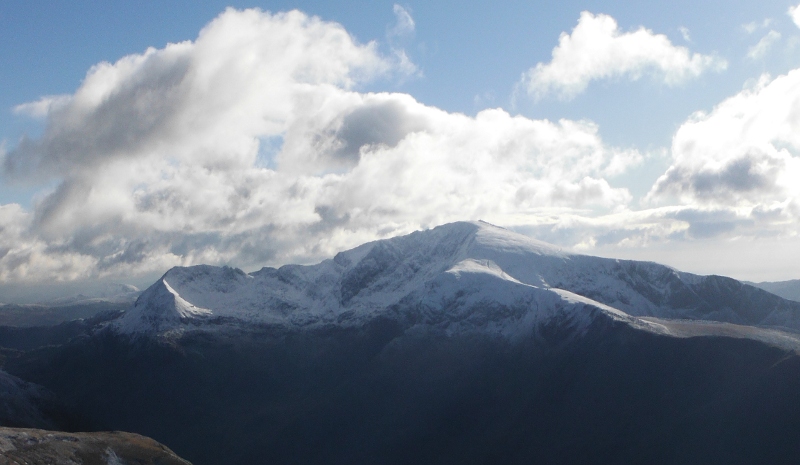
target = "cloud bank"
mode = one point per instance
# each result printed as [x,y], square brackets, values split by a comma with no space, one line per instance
[250,146]
[597,49]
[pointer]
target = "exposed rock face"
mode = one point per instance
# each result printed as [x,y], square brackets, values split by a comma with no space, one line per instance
[35,447]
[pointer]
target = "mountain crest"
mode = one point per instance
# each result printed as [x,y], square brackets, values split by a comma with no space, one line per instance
[466,275]
[160,308]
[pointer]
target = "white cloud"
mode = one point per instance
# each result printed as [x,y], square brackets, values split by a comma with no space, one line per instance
[730,191]
[794,13]
[157,156]
[742,155]
[597,49]
[760,49]
[685,33]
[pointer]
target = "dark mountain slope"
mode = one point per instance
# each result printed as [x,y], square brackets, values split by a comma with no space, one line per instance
[386,394]
[463,344]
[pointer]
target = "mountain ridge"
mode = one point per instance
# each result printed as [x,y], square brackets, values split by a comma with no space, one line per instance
[466,267]
[466,343]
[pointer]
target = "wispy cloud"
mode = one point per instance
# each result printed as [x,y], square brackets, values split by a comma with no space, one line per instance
[755,25]
[685,33]
[763,46]
[399,36]
[404,25]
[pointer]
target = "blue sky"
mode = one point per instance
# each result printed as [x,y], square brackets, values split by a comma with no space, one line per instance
[464,52]
[599,150]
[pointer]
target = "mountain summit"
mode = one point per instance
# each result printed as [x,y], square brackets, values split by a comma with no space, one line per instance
[465,276]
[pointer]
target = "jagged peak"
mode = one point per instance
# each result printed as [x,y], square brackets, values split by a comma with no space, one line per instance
[158,308]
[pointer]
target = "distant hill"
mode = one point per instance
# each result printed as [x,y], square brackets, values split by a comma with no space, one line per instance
[787,289]
[35,315]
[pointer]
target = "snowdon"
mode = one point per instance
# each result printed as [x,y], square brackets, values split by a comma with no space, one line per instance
[466,343]
[460,277]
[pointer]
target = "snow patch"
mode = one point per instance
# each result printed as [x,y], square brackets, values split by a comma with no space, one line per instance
[183,307]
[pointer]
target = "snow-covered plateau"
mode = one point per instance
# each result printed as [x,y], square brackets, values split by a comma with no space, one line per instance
[465,276]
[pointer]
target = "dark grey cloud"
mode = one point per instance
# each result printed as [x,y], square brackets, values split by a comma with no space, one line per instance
[383,123]
[739,175]
[134,252]
[125,121]
[753,175]
[69,192]
[711,223]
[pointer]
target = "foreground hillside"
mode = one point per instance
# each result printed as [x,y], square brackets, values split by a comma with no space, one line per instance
[462,344]
[384,393]
[35,447]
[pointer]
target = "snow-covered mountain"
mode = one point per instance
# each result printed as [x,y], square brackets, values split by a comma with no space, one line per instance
[466,276]
[466,343]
